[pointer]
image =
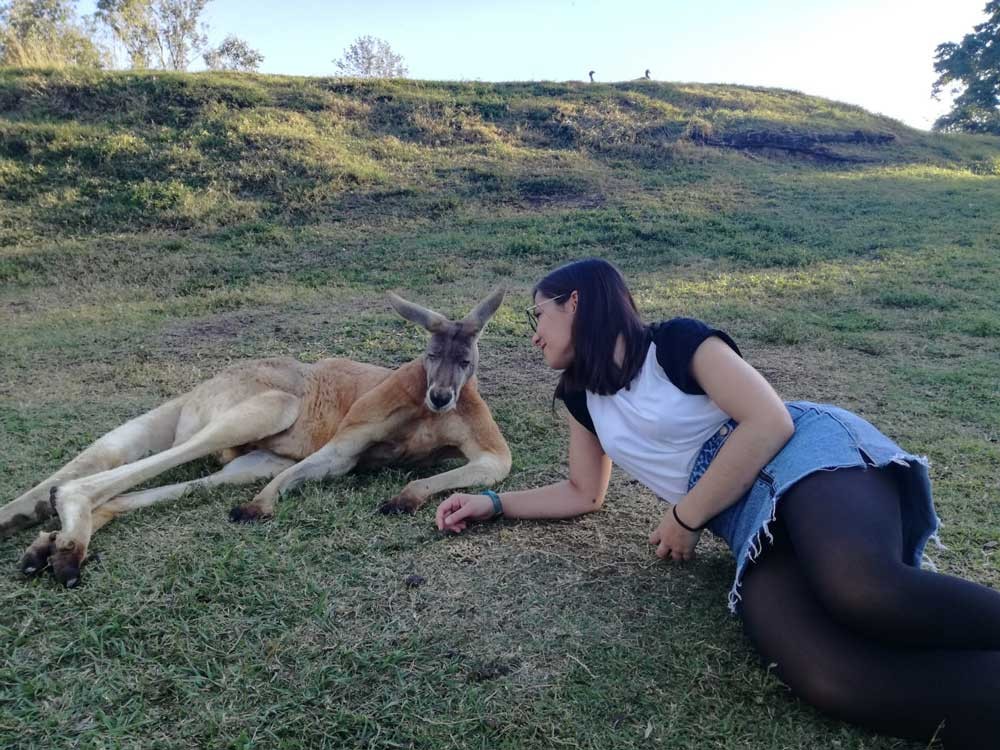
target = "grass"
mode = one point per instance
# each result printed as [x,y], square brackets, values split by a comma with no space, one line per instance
[154,227]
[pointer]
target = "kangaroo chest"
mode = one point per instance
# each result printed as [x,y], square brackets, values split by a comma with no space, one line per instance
[420,443]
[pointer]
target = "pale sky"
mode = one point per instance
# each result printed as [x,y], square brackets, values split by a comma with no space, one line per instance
[875,53]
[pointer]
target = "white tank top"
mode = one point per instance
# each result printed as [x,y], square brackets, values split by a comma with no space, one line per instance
[653,430]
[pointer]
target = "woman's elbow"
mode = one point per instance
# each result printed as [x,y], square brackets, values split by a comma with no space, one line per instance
[782,427]
[590,499]
[772,428]
[595,502]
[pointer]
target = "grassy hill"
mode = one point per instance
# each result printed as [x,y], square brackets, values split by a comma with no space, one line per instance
[155,227]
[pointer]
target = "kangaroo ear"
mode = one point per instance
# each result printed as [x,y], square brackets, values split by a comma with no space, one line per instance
[476,320]
[432,321]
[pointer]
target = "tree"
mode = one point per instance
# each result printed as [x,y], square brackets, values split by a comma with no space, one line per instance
[156,33]
[47,32]
[131,23]
[233,54]
[371,57]
[974,67]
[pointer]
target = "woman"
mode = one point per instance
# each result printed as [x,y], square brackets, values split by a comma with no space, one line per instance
[827,516]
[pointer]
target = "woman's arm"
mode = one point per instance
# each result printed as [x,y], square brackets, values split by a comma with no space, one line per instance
[589,473]
[764,428]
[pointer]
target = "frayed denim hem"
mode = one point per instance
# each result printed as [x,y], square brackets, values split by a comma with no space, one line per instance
[757,545]
[827,438]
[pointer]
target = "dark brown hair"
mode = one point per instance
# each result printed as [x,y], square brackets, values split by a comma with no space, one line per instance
[604,310]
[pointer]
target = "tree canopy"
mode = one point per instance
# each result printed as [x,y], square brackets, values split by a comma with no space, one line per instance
[371,57]
[47,33]
[972,67]
[233,54]
[156,33]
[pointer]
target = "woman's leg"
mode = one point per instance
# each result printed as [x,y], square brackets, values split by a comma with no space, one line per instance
[900,691]
[846,531]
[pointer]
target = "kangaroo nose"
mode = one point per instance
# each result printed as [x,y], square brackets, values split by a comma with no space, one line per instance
[440,398]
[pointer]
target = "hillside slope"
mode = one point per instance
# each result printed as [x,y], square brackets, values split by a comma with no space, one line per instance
[155,227]
[102,152]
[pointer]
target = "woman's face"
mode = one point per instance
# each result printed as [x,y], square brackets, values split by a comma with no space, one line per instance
[554,335]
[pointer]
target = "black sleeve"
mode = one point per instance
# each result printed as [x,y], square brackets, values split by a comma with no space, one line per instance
[576,404]
[676,342]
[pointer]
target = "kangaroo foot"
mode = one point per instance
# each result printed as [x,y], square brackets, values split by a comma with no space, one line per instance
[66,561]
[36,557]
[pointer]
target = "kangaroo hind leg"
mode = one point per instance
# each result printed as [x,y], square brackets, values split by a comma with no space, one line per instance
[149,433]
[248,468]
[253,419]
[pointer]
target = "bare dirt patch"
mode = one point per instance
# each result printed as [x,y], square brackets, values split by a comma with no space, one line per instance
[810,374]
[263,332]
[514,373]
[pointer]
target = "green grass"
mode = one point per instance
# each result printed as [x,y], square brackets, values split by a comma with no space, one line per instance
[155,227]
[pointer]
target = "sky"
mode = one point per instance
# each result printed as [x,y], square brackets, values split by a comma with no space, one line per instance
[878,54]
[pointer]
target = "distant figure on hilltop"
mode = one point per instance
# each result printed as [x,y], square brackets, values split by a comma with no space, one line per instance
[592,76]
[647,74]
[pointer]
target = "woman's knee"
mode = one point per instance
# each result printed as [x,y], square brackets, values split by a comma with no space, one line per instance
[828,687]
[825,677]
[857,592]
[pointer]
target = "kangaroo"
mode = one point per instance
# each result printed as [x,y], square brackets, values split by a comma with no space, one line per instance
[287,421]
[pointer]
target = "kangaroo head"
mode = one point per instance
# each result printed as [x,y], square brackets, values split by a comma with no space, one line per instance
[452,353]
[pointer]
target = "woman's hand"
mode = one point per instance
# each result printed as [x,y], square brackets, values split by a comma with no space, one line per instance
[673,542]
[454,513]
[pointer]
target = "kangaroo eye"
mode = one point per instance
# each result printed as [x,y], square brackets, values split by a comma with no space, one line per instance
[432,357]
[466,363]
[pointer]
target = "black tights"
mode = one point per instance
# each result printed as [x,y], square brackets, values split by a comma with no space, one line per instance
[862,636]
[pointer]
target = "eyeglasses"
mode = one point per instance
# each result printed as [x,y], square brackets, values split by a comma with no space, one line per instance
[530,312]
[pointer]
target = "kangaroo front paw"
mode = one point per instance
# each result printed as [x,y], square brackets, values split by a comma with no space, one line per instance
[404,502]
[249,513]
[36,557]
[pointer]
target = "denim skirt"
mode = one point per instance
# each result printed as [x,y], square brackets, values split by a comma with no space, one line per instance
[826,438]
